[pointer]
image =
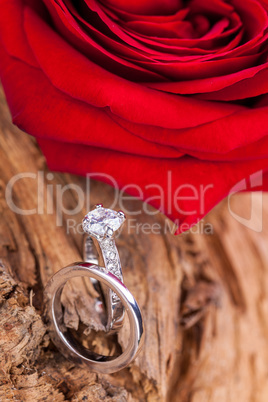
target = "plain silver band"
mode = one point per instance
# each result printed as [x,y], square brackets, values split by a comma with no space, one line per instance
[61,336]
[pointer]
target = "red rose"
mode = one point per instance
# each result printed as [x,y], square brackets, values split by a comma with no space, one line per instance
[141,88]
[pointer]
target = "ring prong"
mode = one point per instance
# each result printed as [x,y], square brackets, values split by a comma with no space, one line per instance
[109,232]
[121,213]
[98,206]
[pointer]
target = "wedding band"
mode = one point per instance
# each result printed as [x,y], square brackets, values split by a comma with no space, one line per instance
[100,226]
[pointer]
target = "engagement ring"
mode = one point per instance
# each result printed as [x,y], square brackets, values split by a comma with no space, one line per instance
[103,267]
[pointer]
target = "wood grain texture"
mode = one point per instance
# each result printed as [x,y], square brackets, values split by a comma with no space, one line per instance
[204,297]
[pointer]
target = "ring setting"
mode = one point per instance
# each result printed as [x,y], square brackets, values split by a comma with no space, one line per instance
[102,222]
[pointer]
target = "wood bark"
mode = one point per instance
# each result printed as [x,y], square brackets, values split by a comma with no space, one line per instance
[204,294]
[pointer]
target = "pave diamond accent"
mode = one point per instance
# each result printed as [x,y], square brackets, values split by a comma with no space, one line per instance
[97,222]
[111,257]
[112,262]
[107,243]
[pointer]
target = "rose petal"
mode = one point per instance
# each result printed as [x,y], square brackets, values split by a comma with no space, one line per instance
[163,183]
[145,7]
[144,106]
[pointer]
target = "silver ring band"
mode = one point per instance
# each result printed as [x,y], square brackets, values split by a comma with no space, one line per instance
[64,340]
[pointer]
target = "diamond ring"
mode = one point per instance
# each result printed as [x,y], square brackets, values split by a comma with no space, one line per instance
[105,273]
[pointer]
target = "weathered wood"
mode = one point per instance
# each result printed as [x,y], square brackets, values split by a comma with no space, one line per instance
[204,297]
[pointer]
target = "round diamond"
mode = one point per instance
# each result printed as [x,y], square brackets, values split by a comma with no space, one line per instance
[97,221]
[107,243]
[111,266]
[111,255]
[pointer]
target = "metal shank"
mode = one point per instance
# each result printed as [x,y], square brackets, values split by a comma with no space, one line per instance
[98,252]
[63,339]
